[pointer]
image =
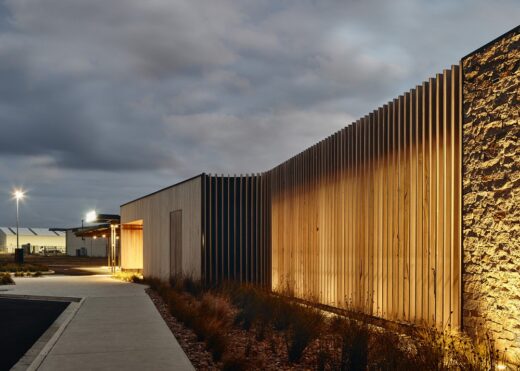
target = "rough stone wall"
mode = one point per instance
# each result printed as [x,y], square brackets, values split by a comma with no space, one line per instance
[491,192]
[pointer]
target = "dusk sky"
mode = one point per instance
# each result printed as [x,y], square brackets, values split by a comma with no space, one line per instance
[103,101]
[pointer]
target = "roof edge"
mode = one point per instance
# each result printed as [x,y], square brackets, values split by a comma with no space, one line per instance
[164,189]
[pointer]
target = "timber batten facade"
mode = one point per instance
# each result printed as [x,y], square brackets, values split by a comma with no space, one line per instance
[236,229]
[369,218]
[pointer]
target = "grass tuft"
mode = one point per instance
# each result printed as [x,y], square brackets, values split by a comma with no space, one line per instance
[15,267]
[235,363]
[306,325]
[129,277]
[342,343]
[6,279]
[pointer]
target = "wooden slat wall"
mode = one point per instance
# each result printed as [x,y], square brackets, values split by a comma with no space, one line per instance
[369,218]
[236,229]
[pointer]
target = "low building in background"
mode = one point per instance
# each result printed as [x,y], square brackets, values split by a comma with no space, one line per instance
[35,240]
[85,246]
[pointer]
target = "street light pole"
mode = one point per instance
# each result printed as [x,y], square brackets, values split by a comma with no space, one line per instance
[18,195]
[18,254]
[17,223]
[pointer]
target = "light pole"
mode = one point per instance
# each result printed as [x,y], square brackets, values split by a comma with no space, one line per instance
[18,195]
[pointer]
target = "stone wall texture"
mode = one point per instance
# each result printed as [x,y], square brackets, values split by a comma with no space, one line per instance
[491,192]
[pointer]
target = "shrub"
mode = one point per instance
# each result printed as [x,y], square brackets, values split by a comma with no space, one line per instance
[453,350]
[215,306]
[247,300]
[176,282]
[387,350]
[208,319]
[129,277]
[6,279]
[136,278]
[306,324]
[354,338]
[14,267]
[186,283]
[261,309]
[281,313]
[235,363]
[191,286]
[37,274]
[157,285]
[181,308]
[217,342]
[325,357]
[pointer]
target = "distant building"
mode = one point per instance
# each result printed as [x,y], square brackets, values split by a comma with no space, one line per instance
[85,246]
[40,240]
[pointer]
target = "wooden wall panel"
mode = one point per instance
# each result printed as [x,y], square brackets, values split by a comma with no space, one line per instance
[176,242]
[150,248]
[369,218]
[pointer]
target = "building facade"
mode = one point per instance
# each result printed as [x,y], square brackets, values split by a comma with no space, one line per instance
[41,240]
[409,214]
[89,246]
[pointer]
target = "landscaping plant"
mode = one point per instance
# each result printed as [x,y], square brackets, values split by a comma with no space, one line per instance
[6,279]
[336,343]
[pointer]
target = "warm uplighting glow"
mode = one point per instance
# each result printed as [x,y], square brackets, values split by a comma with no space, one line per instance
[91,216]
[18,194]
[501,367]
[95,237]
[131,242]
[104,236]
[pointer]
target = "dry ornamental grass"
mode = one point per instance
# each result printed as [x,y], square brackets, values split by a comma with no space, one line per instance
[245,327]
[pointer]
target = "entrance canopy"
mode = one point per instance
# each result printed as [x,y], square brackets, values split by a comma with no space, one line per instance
[100,230]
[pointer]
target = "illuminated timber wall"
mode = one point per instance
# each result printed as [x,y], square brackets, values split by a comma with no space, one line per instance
[369,218]
[491,213]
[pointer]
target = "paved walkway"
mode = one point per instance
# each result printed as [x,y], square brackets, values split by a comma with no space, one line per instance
[116,326]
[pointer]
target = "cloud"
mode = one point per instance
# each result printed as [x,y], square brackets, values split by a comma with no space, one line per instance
[109,99]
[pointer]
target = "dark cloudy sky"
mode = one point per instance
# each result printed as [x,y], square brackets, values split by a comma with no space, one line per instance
[102,101]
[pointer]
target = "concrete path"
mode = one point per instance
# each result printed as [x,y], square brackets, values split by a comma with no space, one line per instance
[116,327]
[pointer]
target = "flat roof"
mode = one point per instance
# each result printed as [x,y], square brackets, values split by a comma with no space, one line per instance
[30,231]
[164,189]
[7,231]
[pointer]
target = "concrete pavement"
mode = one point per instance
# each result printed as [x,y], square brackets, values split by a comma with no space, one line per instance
[115,326]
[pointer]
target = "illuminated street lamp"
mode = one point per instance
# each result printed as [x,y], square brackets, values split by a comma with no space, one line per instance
[91,216]
[18,195]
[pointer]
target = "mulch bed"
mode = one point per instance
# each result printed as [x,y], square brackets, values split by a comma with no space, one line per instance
[267,354]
